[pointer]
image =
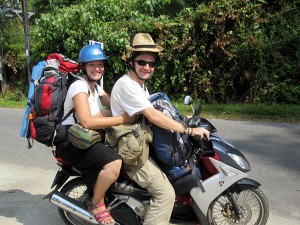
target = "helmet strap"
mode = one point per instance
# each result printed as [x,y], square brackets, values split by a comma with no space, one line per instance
[131,67]
[90,79]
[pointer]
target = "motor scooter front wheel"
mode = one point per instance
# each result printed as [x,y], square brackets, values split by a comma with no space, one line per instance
[251,201]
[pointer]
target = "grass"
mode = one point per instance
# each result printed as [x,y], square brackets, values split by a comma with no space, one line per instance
[13,104]
[255,112]
[258,112]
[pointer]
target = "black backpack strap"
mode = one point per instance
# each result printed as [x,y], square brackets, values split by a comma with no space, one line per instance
[63,119]
[193,166]
[29,143]
[96,87]
[190,159]
[64,87]
[64,91]
[68,114]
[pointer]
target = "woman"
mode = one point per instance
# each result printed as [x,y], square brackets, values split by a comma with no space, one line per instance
[98,164]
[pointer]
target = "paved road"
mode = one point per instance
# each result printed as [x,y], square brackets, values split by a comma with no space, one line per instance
[26,175]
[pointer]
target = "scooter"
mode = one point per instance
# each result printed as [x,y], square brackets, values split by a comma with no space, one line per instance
[220,194]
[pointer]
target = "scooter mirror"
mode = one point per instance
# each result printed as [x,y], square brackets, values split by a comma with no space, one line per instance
[198,109]
[188,100]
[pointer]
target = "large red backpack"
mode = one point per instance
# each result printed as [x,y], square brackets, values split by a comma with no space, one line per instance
[48,99]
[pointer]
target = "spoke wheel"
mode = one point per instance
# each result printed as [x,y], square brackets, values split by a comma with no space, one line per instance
[252,202]
[77,190]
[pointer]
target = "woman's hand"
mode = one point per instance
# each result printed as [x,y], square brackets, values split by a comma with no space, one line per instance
[104,113]
[128,119]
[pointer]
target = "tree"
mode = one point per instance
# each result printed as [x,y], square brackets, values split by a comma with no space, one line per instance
[220,51]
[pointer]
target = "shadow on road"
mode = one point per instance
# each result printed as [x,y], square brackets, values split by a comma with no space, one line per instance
[16,205]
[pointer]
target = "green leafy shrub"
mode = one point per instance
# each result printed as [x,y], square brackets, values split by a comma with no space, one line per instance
[218,51]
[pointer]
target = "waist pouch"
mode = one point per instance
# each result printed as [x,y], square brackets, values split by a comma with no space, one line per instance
[83,138]
[131,141]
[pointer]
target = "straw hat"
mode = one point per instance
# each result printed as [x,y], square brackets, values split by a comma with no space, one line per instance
[143,42]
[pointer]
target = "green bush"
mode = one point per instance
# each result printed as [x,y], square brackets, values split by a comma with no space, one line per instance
[218,51]
[15,95]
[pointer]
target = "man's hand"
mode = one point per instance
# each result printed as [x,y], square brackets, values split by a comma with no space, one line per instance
[201,132]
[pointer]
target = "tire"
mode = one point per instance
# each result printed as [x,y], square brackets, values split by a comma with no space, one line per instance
[75,189]
[252,202]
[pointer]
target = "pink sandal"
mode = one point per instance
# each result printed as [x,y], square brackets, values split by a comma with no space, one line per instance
[101,215]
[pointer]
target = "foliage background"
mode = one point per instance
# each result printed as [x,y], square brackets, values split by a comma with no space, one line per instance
[219,51]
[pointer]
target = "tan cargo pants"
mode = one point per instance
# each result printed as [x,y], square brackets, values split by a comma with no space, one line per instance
[149,176]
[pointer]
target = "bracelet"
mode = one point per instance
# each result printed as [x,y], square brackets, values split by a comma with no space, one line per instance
[188,131]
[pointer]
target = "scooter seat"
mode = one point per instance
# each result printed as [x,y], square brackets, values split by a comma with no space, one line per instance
[185,184]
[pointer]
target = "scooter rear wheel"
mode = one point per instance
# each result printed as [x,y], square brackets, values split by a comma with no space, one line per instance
[77,190]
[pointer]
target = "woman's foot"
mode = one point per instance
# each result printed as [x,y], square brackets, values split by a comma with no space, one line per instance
[101,214]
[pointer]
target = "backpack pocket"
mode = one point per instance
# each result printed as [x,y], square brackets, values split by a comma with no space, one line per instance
[42,130]
[131,141]
[131,150]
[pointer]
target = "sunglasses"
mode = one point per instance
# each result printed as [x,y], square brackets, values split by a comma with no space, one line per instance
[144,63]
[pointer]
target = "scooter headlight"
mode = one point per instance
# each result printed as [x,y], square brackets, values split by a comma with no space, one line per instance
[241,161]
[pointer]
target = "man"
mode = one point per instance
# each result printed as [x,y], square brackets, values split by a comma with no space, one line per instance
[130,95]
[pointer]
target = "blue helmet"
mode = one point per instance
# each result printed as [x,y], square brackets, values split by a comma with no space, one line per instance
[91,53]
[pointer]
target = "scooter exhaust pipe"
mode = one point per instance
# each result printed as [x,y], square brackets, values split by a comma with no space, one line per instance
[66,203]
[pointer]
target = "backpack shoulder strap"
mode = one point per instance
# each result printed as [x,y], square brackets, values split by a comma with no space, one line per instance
[88,86]
[68,114]
[72,111]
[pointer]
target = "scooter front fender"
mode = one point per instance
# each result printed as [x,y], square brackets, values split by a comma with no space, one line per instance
[248,183]
[216,184]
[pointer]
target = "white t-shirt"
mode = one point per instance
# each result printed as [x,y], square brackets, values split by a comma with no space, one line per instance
[128,96]
[81,86]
